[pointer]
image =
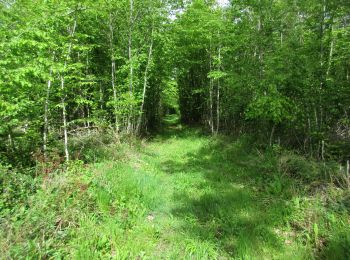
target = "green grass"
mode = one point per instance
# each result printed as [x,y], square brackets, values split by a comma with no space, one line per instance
[182,195]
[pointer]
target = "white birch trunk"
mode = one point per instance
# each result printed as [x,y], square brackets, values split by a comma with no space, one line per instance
[131,69]
[218,108]
[218,98]
[64,118]
[113,73]
[145,84]
[211,119]
[46,115]
[63,100]
[330,54]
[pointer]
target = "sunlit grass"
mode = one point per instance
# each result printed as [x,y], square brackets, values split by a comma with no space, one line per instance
[183,195]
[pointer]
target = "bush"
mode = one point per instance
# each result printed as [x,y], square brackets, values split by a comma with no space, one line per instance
[94,146]
[299,167]
[42,229]
[15,189]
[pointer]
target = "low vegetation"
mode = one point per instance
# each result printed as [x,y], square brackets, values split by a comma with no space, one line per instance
[181,194]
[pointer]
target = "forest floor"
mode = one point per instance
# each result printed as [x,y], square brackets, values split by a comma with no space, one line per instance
[209,206]
[206,205]
[181,195]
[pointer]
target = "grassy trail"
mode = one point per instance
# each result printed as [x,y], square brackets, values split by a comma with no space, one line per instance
[180,195]
[202,201]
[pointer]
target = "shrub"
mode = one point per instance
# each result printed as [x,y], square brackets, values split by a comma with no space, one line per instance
[15,189]
[299,167]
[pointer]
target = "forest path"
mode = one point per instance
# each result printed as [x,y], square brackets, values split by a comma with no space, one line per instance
[209,201]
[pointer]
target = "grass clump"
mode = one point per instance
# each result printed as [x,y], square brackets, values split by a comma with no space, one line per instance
[79,212]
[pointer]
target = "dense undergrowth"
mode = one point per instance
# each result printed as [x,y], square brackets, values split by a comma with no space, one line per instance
[180,195]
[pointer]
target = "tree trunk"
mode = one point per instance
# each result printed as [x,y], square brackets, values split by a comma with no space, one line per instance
[101,97]
[218,108]
[330,54]
[88,118]
[113,73]
[272,133]
[260,50]
[218,98]
[322,29]
[145,84]
[131,69]
[10,140]
[115,96]
[46,114]
[64,118]
[64,113]
[211,119]
[281,38]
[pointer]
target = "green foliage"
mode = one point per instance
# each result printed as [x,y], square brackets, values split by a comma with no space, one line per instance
[56,65]
[245,65]
[79,80]
[216,74]
[338,246]
[271,107]
[15,190]
[170,97]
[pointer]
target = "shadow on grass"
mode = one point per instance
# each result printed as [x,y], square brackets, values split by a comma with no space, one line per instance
[178,131]
[231,207]
[172,128]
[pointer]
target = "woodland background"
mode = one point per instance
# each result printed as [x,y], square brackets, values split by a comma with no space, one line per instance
[82,80]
